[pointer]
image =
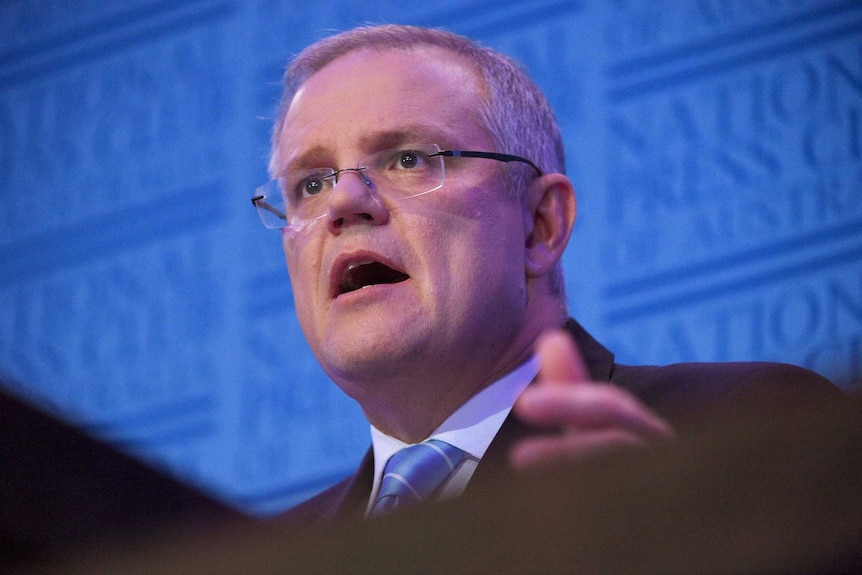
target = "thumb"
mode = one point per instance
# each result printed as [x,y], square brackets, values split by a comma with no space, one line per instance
[559,358]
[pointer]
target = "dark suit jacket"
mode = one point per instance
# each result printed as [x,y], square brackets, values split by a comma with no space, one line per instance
[684,394]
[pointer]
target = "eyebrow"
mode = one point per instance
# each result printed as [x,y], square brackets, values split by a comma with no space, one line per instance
[308,159]
[414,134]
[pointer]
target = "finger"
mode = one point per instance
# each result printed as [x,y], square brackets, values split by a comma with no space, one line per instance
[589,407]
[542,452]
[559,358]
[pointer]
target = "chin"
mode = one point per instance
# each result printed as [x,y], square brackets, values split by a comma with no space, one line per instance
[365,357]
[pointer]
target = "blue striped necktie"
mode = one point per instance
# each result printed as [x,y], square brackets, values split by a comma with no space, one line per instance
[415,473]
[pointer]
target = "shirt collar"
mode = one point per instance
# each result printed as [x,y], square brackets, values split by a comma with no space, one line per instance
[472,426]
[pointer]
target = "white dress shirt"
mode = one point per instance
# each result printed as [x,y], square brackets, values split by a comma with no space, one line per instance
[470,428]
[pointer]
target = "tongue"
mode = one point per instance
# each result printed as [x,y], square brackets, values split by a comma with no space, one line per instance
[370,274]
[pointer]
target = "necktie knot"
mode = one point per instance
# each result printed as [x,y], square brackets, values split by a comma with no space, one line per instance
[415,474]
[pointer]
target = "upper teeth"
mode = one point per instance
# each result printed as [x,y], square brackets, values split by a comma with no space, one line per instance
[355,265]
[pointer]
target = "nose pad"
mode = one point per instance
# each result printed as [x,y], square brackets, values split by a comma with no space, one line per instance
[350,203]
[363,177]
[359,171]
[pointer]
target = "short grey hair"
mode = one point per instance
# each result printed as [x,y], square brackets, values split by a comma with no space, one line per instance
[516,113]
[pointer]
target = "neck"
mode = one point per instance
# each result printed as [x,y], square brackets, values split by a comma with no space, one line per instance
[414,408]
[409,404]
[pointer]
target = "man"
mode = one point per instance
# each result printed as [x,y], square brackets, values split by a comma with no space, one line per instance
[420,189]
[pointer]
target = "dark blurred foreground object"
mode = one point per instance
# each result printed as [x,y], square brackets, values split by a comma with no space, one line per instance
[62,491]
[777,495]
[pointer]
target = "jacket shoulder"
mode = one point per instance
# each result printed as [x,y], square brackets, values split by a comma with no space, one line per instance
[686,390]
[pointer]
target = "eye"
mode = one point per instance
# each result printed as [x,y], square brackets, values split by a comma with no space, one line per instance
[311,186]
[409,160]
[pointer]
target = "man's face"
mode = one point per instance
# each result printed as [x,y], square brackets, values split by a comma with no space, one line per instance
[455,255]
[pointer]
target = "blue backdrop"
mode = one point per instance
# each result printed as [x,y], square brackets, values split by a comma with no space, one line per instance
[716,146]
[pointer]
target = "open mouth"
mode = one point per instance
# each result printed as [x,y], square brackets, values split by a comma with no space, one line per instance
[361,275]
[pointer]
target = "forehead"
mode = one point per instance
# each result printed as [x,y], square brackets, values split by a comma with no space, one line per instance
[368,97]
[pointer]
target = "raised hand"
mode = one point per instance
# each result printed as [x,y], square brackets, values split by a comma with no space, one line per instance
[582,417]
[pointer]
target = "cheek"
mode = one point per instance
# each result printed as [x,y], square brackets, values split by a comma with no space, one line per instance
[469,230]
[303,291]
[301,269]
[478,258]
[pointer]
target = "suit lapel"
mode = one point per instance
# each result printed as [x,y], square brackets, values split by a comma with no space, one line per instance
[349,499]
[598,359]
[494,463]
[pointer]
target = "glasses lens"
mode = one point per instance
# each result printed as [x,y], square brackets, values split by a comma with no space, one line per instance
[270,205]
[301,196]
[406,171]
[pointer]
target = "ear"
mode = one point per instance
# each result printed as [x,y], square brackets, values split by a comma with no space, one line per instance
[550,209]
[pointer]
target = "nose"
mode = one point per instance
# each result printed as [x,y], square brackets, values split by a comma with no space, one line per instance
[354,200]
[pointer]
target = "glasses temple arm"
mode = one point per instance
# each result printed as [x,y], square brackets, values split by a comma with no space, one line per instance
[490,156]
[258,202]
